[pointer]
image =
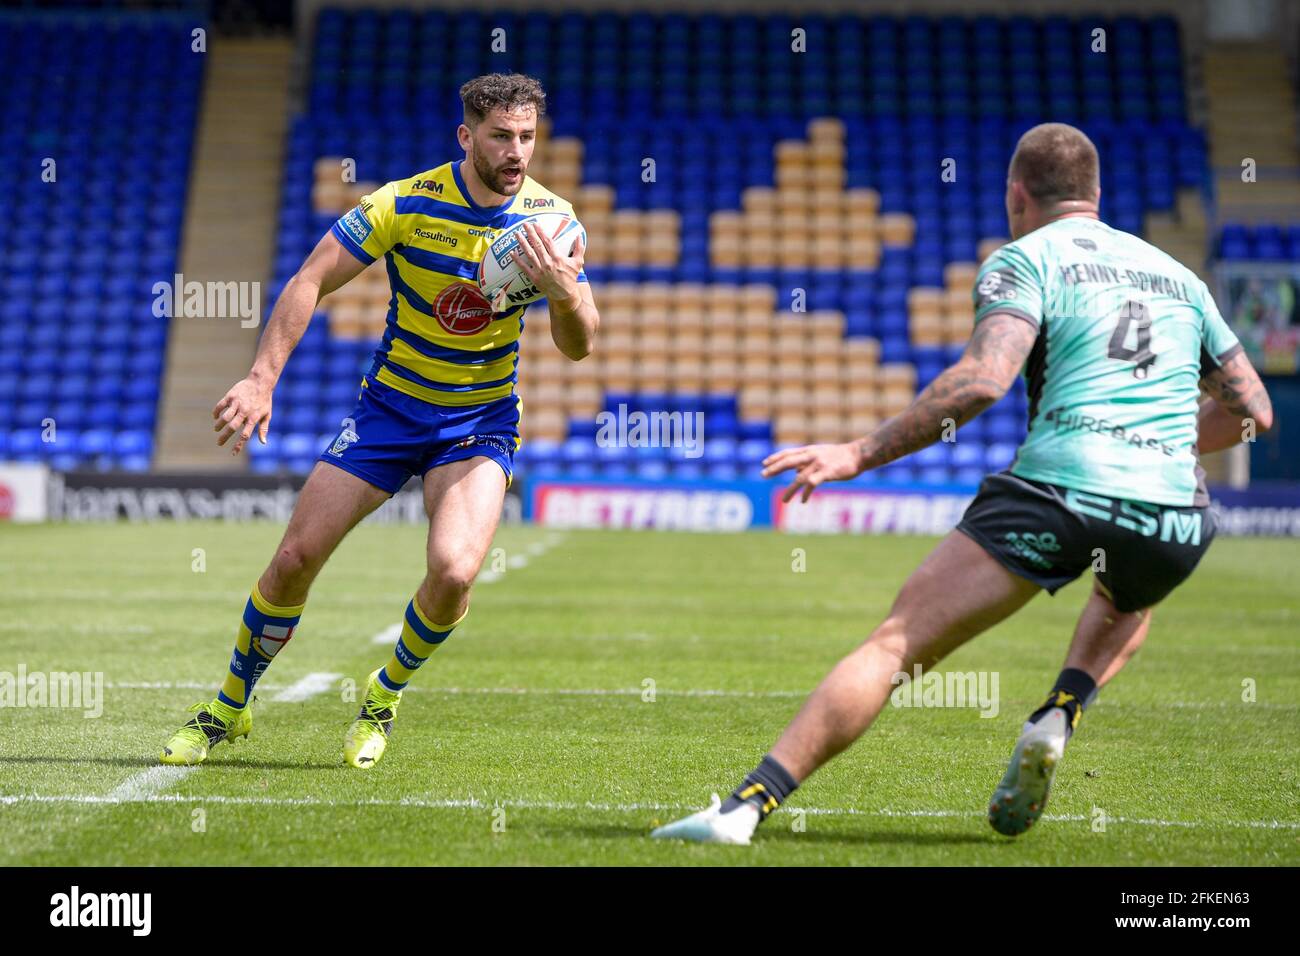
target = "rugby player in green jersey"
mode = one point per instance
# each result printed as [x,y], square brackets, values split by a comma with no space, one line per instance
[1115,339]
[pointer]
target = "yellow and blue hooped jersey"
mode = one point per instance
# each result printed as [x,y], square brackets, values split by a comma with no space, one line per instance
[443,343]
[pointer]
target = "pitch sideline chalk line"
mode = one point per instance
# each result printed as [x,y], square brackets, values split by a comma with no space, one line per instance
[148,784]
[140,795]
[638,691]
[307,687]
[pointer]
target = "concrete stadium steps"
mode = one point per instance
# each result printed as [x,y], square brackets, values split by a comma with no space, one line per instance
[1252,113]
[1251,104]
[229,236]
[1183,232]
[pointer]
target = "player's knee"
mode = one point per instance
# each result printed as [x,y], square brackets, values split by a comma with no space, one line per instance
[902,645]
[452,576]
[293,563]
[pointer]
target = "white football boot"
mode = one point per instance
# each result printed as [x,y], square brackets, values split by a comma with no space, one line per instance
[713,826]
[1022,794]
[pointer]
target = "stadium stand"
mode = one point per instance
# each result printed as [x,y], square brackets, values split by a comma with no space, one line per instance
[795,267]
[1266,242]
[103,105]
[788,250]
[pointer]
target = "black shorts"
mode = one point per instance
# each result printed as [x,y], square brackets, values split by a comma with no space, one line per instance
[1050,535]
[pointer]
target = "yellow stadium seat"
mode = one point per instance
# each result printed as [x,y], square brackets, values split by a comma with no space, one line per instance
[755,403]
[960,276]
[654,297]
[650,376]
[863,249]
[826,128]
[758,199]
[790,152]
[757,295]
[689,295]
[565,147]
[543,425]
[901,374]
[686,376]
[791,429]
[862,350]
[686,344]
[861,202]
[616,374]
[595,197]
[897,229]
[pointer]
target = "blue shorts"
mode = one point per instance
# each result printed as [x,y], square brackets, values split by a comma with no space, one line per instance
[391,436]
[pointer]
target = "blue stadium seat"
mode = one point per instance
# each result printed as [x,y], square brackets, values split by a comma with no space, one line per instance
[910,89]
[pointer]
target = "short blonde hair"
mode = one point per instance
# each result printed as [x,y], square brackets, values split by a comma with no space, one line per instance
[1055,162]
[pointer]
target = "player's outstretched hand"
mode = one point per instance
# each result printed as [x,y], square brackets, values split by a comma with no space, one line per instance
[245,407]
[813,464]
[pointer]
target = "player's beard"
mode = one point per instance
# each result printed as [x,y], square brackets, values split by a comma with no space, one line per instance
[492,178]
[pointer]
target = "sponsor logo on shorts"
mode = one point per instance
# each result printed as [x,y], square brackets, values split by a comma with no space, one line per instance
[346,437]
[1031,546]
[356,225]
[1180,526]
[501,443]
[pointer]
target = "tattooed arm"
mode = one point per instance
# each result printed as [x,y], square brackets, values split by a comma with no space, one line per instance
[1237,397]
[992,360]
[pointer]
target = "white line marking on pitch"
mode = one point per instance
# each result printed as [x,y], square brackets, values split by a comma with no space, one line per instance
[390,634]
[517,561]
[146,784]
[662,691]
[309,686]
[473,803]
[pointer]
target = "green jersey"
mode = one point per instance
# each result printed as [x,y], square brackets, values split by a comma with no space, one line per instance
[1125,334]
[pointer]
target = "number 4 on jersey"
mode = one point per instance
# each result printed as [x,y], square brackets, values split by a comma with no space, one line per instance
[1133,314]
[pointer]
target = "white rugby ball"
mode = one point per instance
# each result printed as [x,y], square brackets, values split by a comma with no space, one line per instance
[500,278]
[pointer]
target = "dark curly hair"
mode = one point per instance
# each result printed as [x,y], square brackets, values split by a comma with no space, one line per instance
[500,91]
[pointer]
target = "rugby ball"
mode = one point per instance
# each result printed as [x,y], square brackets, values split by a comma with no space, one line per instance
[500,278]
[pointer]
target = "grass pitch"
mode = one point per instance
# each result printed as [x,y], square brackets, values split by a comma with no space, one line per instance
[531,738]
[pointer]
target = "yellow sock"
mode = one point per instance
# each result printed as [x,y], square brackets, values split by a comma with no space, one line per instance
[420,637]
[264,629]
